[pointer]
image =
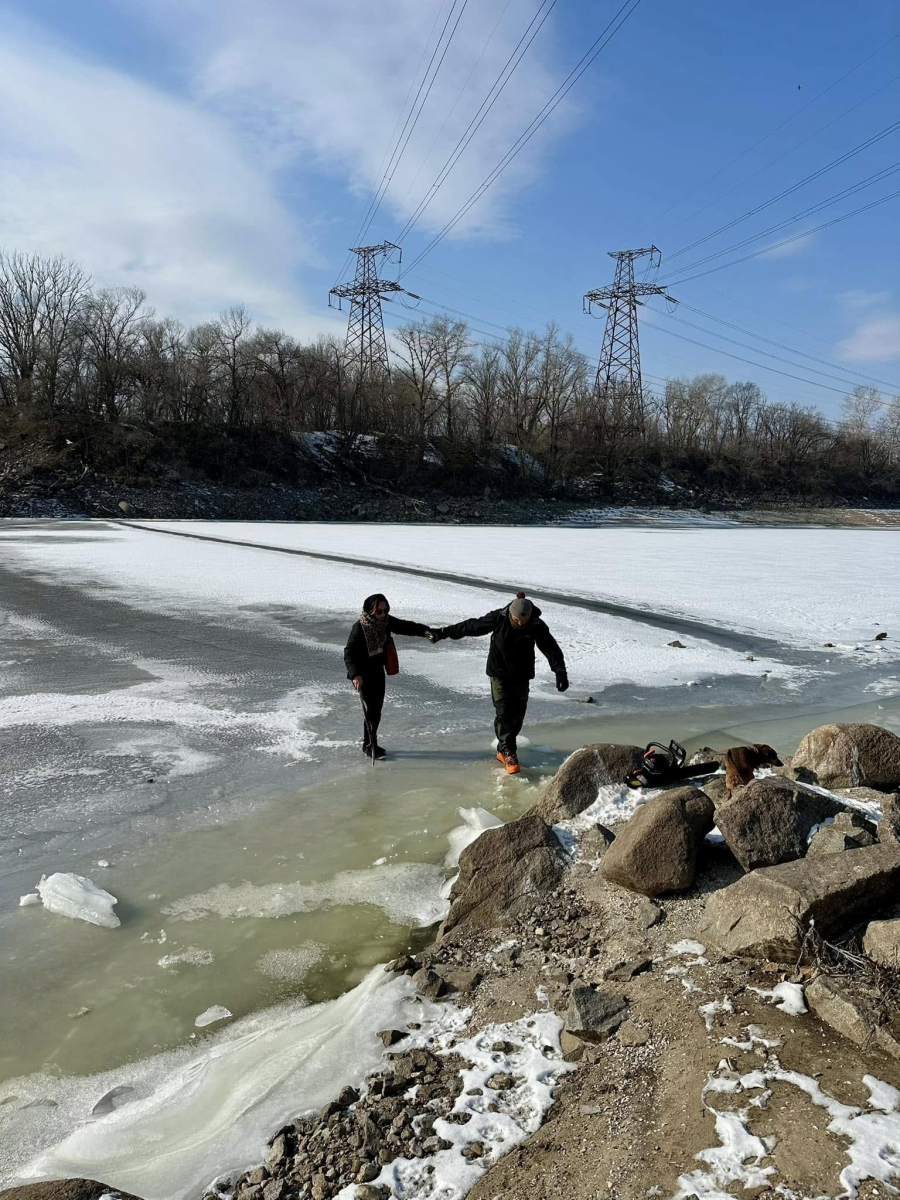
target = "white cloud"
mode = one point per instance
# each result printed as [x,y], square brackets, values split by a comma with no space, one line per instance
[861,298]
[325,82]
[876,339]
[139,187]
[215,196]
[796,245]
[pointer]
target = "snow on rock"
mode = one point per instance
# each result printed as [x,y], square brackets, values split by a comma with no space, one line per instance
[789,997]
[77,897]
[218,1012]
[534,1066]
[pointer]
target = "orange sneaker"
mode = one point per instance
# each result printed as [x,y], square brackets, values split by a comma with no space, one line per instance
[510,761]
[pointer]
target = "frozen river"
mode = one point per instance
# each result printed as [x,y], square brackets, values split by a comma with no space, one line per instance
[175,707]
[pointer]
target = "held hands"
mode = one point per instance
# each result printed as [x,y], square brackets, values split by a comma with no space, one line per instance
[562,681]
[434,635]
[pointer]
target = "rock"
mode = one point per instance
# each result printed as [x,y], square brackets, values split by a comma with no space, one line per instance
[706,755]
[504,871]
[593,1015]
[596,841]
[66,1189]
[768,821]
[833,1005]
[366,1191]
[849,831]
[572,1047]
[889,825]
[443,508]
[676,644]
[715,788]
[460,979]
[633,1035]
[276,1152]
[126,508]
[473,1150]
[500,1082]
[575,785]
[585,699]
[879,637]
[851,755]
[428,983]
[649,914]
[390,1037]
[404,965]
[881,942]
[274,1190]
[656,851]
[765,914]
[622,972]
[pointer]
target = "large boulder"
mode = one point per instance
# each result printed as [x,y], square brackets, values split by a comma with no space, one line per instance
[769,820]
[503,871]
[766,913]
[66,1189]
[656,851]
[847,756]
[575,785]
[594,1015]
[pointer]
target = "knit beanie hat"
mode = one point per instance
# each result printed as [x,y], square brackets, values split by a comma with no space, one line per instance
[520,607]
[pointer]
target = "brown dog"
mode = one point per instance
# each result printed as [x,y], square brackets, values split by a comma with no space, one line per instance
[742,761]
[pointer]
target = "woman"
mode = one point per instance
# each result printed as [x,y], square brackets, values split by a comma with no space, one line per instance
[370,640]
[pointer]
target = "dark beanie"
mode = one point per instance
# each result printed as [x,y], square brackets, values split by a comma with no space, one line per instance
[520,607]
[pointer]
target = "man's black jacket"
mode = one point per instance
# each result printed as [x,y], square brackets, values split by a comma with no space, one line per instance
[357,659]
[511,654]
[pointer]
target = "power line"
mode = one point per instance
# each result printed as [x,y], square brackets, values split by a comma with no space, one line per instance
[783,346]
[483,109]
[786,241]
[836,162]
[791,150]
[571,79]
[388,151]
[775,129]
[861,186]
[412,117]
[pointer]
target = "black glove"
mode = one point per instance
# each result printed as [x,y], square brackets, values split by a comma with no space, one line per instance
[434,635]
[562,681]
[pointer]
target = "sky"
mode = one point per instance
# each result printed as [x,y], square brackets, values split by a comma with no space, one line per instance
[215,152]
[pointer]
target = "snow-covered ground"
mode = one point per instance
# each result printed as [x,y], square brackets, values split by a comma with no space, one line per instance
[801,586]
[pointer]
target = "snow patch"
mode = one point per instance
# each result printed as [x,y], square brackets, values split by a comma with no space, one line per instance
[789,997]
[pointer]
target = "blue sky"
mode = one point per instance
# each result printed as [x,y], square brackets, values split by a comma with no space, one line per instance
[215,152]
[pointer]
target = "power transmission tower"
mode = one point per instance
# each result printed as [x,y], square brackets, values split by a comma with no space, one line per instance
[366,346]
[620,358]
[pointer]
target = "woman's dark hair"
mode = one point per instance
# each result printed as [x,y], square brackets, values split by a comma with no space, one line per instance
[370,602]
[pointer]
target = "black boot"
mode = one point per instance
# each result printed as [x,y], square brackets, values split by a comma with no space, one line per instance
[379,752]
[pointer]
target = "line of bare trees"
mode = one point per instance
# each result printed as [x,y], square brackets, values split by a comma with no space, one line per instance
[68,347]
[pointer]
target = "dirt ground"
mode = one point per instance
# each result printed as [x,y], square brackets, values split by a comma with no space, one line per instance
[629,1121]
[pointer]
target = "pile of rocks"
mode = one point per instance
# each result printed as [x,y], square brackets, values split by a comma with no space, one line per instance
[350,1139]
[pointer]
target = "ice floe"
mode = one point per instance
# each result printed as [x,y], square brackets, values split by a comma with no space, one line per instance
[76,896]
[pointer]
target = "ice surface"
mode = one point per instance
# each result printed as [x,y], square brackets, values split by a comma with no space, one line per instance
[407,893]
[158,573]
[214,1106]
[805,605]
[291,966]
[474,822]
[217,1012]
[29,899]
[75,896]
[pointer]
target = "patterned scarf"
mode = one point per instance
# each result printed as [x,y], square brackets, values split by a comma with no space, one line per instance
[376,632]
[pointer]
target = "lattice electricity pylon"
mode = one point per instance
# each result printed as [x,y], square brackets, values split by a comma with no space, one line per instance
[620,357]
[366,346]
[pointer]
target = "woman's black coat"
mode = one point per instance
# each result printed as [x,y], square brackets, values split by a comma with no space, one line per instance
[357,659]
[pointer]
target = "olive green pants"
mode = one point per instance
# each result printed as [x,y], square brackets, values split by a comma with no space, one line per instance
[510,704]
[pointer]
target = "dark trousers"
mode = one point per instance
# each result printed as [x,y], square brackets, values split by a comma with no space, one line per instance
[372,692]
[510,704]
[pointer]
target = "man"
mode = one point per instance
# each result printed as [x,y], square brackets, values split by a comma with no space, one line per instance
[515,631]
